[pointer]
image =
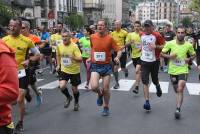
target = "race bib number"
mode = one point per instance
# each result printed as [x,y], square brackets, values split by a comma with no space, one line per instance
[138,46]
[86,50]
[148,55]
[179,62]
[100,56]
[66,61]
[21,73]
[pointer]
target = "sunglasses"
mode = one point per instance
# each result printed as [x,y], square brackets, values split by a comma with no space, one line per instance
[23,27]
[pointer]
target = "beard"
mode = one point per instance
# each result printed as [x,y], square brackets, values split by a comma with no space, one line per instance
[180,38]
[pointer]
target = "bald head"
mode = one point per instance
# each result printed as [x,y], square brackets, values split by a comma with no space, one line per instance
[118,25]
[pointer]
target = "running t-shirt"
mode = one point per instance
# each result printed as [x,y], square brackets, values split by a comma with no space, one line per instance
[178,65]
[136,47]
[119,37]
[55,40]
[101,48]
[68,65]
[21,45]
[35,39]
[86,49]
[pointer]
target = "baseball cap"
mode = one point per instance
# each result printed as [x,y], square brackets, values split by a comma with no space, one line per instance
[148,23]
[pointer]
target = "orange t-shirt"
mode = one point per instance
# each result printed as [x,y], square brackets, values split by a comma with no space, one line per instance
[101,48]
[74,40]
[35,39]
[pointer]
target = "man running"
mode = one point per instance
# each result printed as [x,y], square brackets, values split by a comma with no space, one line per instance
[21,45]
[68,61]
[119,35]
[101,46]
[178,64]
[9,90]
[152,43]
[134,39]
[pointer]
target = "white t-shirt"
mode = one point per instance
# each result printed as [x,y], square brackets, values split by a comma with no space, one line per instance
[147,54]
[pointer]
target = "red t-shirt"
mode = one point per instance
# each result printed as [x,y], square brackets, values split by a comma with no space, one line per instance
[9,83]
[101,48]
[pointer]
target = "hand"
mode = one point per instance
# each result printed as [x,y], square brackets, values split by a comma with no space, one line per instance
[172,56]
[88,60]
[25,63]
[57,68]
[116,60]
[152,46]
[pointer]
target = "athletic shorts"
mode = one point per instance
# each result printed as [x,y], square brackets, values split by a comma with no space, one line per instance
[175,78]
[75,79]
[136,61]
[122,59]
[24,81]
[101,69]
[46,51]
[6,130]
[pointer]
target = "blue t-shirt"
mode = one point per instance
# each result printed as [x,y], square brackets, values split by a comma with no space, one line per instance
[45,36]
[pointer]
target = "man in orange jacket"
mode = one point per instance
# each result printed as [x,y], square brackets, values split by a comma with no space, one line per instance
[9,87]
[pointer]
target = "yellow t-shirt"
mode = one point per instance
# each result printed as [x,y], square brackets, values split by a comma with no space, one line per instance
[21,45]
[136,47]
[68,65]
[119,37]
[55,40]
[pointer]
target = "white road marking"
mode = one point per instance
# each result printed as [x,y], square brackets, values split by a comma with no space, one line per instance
[164,87]
[194,62]
[38,80]
[193,88]
[51,85]
[125,85]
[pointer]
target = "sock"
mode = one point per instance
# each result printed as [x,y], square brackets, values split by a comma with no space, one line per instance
[116,76]
[76,97]
[179,109]
[65,92]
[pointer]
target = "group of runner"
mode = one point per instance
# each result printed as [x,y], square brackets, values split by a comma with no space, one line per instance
[102,52]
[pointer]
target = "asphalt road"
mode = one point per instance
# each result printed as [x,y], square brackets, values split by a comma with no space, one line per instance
[127,114]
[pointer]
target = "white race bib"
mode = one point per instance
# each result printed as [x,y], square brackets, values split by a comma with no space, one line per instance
[138,46]
[100,56]
[66,61]
[179,62]
[148,55]
[21,73]
[86,50]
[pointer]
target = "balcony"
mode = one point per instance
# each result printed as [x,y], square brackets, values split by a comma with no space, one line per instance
[95,6]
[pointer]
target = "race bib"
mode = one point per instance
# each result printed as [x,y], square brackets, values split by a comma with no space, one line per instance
[148,55]
[21,73]
[179,62]
[58,42]
[100,56]
[86,50]
[138,46]
[66,61]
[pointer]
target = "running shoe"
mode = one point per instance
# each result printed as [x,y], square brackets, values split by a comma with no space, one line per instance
[100,100]
[19,128]
[116,86]
[105,111]
[158,91]
[76,106]
[136,90]
[67,103]
[177,114]
[147,106]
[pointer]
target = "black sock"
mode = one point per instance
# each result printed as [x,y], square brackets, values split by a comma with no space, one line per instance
[65,92]
[116,76]
[178,108]
[76,97]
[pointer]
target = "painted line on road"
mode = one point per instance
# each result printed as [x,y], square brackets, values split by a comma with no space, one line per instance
[164,87]
[194,62]
[51,85]
[193,88]
[125,85]
[38,80]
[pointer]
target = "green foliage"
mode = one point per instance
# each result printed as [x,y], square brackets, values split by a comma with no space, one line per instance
[186,21]
[5,14]
[75,21]
[194,6]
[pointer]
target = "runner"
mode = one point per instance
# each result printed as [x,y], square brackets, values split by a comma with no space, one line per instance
[9,90]
[33,65]
[119,35]
[69,57]
[22,45]
[134,40]
[86,50]
[101,46]
[55,40]
[152,43]
[178,64]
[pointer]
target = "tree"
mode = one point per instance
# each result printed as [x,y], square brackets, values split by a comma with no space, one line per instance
[194,6]
[186,21]
[75,21]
